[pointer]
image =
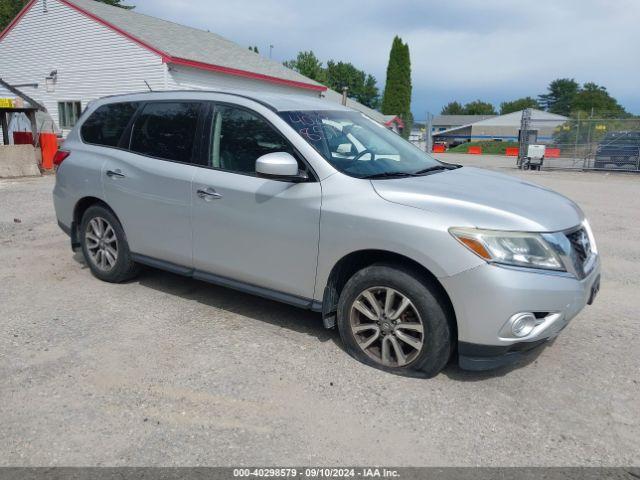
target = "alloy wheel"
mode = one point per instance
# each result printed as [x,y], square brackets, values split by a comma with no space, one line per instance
[387,326]
[102,243]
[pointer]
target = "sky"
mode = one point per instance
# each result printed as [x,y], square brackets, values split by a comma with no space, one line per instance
[494,50]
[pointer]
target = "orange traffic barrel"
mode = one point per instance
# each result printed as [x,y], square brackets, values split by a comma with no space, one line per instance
[474,150]
[512,151]
[49,147]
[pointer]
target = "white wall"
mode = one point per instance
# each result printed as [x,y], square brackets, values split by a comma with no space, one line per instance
[186,78]
[92,61]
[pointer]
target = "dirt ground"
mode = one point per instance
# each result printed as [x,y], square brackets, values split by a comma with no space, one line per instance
[171,371]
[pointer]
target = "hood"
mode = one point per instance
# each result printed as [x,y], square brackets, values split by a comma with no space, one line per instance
[480,198]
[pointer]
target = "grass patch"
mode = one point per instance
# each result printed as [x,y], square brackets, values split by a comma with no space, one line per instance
[490,148]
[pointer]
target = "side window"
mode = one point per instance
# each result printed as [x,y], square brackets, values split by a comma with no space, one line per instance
[239,138]
[166,130]
[106,125]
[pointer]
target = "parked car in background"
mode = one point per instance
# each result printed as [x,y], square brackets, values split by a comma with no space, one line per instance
[619,149]
[313,204]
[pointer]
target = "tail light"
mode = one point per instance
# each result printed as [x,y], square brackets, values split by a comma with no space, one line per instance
[59,157]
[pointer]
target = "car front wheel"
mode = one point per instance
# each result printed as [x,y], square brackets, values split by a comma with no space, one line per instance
[392,319]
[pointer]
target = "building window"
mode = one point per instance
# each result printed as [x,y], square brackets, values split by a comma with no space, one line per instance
[68,113]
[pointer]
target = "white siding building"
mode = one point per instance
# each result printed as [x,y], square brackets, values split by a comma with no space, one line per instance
[66,53]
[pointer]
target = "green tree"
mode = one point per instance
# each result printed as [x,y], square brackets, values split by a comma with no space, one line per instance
[517,105]
[560,97]
[8,10]
[362,87]
[397,90]
[593,98]
[452,108]
[370,95]
[254,49]
[308,65]
[478,107]
[116,3]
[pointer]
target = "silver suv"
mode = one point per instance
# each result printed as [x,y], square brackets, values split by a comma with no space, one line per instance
[313,204]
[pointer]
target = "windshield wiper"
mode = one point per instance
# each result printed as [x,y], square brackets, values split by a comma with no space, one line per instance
[436,168]
[388,175]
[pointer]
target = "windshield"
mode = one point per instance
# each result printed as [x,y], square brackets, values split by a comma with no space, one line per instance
[358,146]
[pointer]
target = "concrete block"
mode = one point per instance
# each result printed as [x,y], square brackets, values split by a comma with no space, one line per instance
[19,161]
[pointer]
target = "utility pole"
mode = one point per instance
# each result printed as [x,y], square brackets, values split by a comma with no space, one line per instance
[270,50]
[525,125]
[575,148]
[428,125]
[344,95]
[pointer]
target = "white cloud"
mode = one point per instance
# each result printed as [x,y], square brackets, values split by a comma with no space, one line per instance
[464,49]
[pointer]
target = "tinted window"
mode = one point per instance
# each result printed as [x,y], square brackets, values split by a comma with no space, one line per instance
[106,125]
[166,130]
[239,138]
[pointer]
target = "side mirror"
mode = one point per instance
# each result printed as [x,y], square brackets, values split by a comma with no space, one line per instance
[279,165]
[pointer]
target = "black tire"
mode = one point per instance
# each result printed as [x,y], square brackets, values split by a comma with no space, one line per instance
[437,338]
[124,268]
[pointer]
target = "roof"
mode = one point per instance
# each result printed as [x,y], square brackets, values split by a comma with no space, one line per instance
[181,45]
[515,118]
[281,102]
[7,91]
[512,119]
[458,119]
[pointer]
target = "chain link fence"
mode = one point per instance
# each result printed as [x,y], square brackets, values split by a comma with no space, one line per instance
[580,143]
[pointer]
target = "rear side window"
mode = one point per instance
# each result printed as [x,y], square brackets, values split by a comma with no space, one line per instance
[106,125]
[166,130]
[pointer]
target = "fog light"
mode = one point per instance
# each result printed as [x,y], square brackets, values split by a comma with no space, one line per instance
[522,324]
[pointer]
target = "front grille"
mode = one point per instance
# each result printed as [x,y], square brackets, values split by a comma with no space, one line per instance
[580,244]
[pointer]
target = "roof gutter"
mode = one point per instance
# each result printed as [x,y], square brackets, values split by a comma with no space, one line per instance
[240,73]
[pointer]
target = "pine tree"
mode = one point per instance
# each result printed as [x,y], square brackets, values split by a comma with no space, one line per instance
[452,108]
[560,96]
[397,90]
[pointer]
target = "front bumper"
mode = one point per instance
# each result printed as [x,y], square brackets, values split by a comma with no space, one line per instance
[486,297]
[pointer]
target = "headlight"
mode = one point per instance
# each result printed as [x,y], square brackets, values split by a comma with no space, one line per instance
[509,248]
[592,239]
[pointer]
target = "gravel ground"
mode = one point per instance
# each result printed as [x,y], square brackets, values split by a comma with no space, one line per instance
[171,371]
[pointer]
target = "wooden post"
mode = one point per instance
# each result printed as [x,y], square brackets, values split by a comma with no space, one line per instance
[5,127]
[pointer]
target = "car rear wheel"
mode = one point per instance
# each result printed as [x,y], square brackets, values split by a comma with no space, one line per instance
[391,319]
[105,247]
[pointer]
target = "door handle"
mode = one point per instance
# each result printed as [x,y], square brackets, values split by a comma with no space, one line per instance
[208,194]
[115,174]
